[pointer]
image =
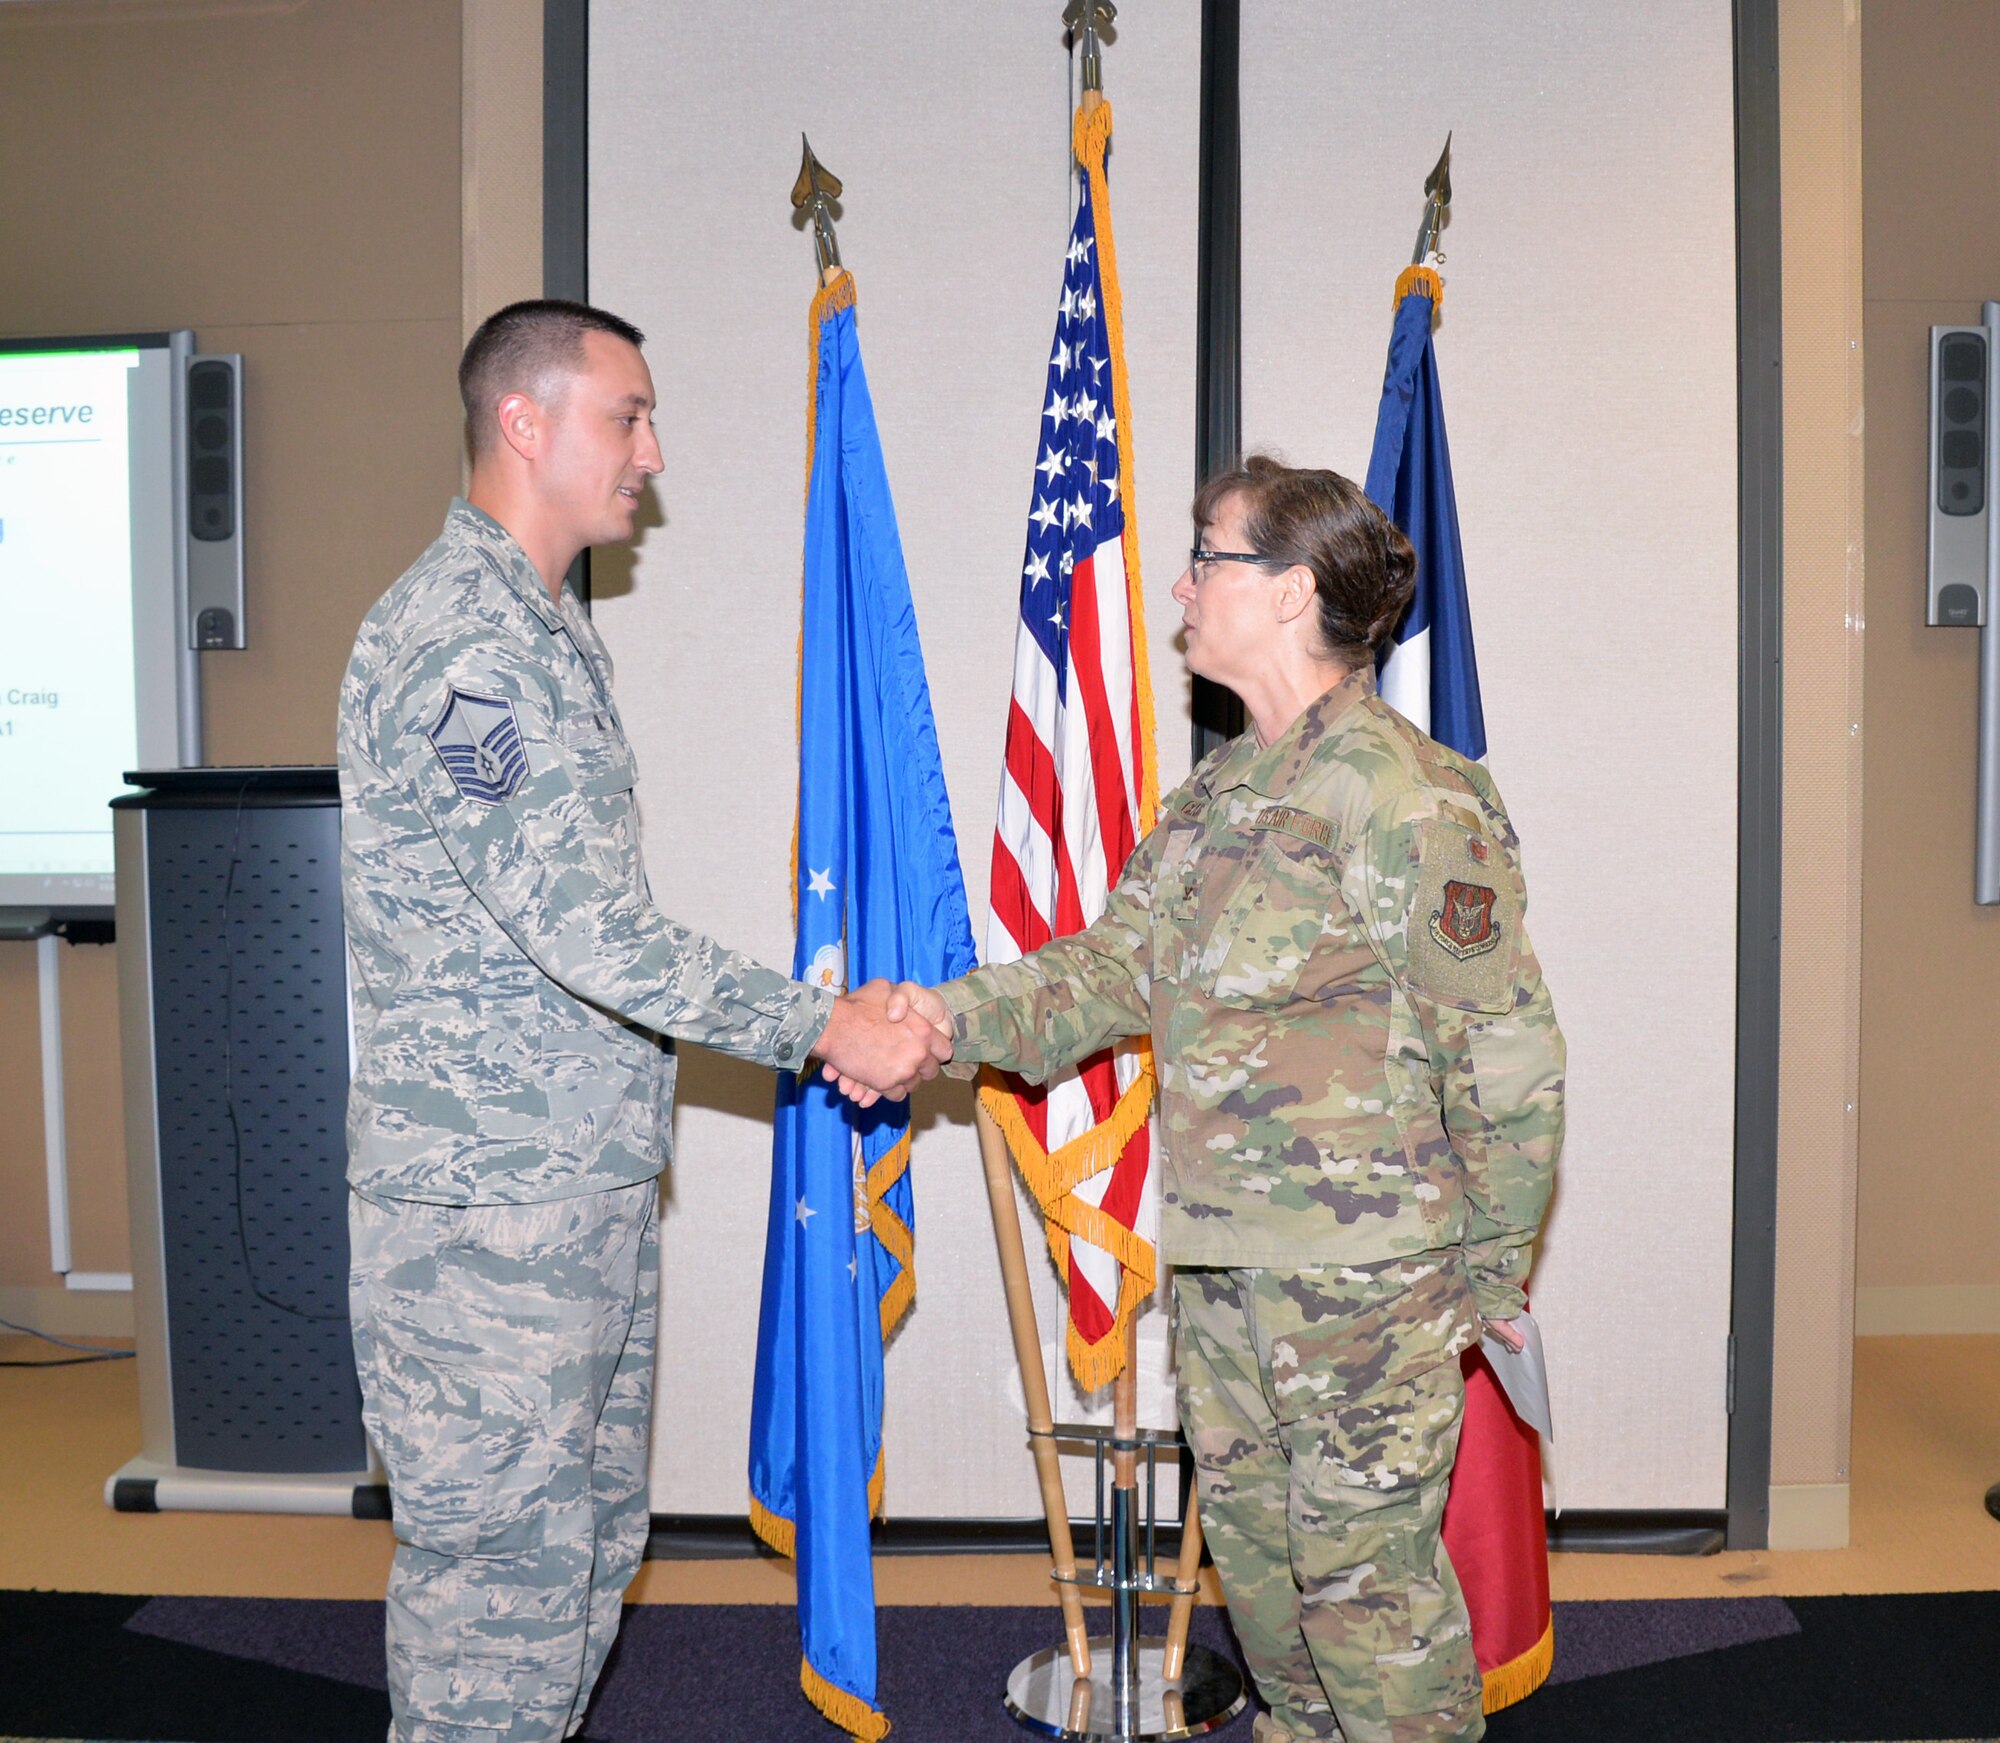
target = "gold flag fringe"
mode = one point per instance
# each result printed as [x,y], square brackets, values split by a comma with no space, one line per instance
[829,299]
[1090,133]
[775,1529]
[1053,1179]
[779,1533]
[893,1233]
[850,1712]
[1424,280]
[1519,1677]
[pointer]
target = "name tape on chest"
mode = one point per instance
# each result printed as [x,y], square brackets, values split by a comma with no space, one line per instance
[1300,823]
[479,742]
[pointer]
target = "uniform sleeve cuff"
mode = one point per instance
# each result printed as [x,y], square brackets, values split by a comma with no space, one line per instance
[959,997]
[1497,1301]
[801,1027]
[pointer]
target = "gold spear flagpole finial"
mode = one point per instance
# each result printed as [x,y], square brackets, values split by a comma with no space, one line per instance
[814,193]
[1437,201]
[1091,17]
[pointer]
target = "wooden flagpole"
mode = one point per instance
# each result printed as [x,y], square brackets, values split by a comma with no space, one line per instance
[1186,1576]
[1034,1381]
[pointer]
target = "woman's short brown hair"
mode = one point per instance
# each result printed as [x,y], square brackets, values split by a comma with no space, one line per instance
[1363,569]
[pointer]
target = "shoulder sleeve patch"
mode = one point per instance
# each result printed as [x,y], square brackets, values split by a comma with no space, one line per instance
[1465,925]
[479,742]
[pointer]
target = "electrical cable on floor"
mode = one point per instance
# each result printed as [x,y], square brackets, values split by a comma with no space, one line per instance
[91,1353]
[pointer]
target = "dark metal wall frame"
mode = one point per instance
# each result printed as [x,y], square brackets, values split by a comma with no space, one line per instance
[1218,309]
[1760,771]
[1218,438]
[566,173]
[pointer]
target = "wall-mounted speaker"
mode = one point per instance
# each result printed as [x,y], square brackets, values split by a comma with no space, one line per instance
[215,502]
[1961,481]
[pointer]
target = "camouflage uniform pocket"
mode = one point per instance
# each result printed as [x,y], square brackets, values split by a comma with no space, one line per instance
[463,1424]
[1268,923]
[1382,1609]
[469,1703]
[1344,1333]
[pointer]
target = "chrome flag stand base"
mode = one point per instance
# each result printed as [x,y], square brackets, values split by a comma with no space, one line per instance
[1050,1699]
[1128,1696]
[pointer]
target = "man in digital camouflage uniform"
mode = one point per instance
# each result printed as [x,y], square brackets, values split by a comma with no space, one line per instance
[1361,1103]
[511,1097]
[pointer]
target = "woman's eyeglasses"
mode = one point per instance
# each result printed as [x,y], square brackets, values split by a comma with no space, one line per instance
[1198,560]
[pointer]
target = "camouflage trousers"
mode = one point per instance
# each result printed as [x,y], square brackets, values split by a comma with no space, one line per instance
[1323,1411]
[506,1362]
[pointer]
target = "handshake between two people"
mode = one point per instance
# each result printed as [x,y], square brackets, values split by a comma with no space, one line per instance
[884,1040]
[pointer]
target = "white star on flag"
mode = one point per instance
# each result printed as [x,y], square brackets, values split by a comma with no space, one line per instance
[819,883]
[1037,570]
[1047,514]
[805,1213]
[1058,408]
[1052,463]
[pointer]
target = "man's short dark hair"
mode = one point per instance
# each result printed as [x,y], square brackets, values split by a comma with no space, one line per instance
[526,348]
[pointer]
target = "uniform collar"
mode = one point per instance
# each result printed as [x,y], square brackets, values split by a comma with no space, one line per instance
[498,543]
[1273,770]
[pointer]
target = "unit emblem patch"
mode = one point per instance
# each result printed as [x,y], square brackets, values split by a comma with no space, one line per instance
[1464,926]
[479,742]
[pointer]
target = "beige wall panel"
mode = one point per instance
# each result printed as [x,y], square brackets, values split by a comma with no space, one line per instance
[24,1198]
[283,176]
[501,173]
[1930,992]
[352,442]
[1588,356]
[202,165]
[93,1119]
[1819,57]
[1931,122]
[953,144]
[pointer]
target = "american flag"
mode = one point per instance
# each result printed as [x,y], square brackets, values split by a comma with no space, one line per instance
[1080,789]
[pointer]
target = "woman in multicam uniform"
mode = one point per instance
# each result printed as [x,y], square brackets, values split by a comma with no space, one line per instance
[1361,1096]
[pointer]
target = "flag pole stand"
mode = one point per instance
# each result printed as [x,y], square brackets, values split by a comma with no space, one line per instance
[1121,1687]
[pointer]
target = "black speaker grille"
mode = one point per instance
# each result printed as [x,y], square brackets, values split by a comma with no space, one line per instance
[208,387]
[1961,404]
[211,480]
[250,1029]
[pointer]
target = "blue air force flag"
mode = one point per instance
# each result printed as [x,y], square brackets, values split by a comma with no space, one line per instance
[1428,675]
[877,893]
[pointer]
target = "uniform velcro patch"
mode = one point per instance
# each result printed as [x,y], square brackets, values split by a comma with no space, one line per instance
[1300,823]
[479,741]
[1465,921]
